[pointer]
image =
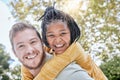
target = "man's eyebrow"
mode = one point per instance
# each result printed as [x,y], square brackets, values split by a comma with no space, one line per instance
[19,43]
[33,39]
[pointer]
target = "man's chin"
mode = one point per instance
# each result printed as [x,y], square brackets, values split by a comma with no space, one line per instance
[32,67]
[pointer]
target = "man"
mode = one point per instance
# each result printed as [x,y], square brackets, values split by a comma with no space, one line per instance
[28,48]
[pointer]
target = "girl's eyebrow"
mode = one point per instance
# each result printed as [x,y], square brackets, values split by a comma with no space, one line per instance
[63,30]
[49,32]
[60,30]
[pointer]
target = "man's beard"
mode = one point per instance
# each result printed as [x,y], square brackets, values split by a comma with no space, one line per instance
[39,64]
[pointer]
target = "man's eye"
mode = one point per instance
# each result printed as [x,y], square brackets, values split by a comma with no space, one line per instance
[33,42]
[20,46]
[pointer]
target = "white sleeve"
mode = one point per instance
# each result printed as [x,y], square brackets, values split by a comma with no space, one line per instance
[73,72]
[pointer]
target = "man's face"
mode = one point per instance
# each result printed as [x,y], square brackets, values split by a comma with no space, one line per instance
[28,48]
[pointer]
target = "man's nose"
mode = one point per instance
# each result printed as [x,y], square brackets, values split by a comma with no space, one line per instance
[30,49]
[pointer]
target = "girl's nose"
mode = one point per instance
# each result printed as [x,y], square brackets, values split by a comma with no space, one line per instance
[58,39]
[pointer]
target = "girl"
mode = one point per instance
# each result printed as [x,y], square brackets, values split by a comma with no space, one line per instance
[60,33]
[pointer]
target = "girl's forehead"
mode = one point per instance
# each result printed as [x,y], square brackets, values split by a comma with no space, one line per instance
[58,21]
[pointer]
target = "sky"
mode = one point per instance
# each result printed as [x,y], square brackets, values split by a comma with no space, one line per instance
[5,25]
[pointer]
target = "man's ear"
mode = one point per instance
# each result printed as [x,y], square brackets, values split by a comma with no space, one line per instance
[14,51]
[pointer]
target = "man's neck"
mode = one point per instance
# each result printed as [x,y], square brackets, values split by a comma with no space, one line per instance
[36,71]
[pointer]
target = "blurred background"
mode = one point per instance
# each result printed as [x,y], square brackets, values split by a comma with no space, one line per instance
[99,21]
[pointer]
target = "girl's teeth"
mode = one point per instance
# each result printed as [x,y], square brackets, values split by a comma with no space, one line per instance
[59,45]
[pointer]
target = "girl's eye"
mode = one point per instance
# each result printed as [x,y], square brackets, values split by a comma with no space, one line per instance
[50,35]
[62,34]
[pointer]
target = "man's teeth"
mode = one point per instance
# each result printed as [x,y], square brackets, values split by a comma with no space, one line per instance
[31,56]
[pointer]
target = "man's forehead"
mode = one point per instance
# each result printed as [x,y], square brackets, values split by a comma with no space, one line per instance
[25,35]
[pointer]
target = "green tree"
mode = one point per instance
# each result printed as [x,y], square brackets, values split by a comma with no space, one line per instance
[100,28]
[99,21]
[4,65]
[6,73]
[111,68]
[15,72]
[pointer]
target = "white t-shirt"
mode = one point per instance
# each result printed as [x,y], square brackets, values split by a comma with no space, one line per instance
[71,72]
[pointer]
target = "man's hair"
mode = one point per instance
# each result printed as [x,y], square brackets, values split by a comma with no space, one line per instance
[21,26]
[53,15]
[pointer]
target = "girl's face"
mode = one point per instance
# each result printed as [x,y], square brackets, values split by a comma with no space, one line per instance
[58,36]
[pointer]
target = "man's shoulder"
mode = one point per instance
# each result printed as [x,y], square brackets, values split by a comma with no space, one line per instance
[73,72]
[48,56]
